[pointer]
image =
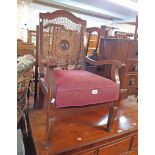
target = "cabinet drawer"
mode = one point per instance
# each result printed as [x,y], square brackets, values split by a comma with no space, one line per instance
[129,80]
[133,49]
[116,148]
[132,66]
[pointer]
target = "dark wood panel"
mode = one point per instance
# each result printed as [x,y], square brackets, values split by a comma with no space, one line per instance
[133,49]
[114,49]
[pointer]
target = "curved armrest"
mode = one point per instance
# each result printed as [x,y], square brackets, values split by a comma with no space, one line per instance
[104,62]
[116,65]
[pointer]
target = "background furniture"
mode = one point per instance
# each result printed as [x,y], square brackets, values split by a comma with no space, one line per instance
[24,48]
[126,51]
[24,75]
[63,82]
[94,35]
[31,37]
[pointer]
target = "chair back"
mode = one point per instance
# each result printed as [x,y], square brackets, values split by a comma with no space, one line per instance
[61,40]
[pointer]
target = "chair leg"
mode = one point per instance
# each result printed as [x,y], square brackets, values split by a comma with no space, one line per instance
[40,102]
[49,132]
[25,123]
[35,93]
[111,118]
[28,96]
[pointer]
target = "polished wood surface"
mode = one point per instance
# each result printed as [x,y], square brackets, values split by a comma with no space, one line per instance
[83,133]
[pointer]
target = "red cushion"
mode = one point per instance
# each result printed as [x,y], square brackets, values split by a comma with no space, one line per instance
[80,88]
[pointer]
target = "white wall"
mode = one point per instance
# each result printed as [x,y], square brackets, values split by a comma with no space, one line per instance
[30,15]
[125,28]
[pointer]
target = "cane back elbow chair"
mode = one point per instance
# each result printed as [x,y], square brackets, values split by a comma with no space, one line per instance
[63,80]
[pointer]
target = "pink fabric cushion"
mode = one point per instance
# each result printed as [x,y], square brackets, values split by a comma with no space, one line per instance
[81,88]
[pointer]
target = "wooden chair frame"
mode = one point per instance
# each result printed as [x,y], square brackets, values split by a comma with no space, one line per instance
[47,91]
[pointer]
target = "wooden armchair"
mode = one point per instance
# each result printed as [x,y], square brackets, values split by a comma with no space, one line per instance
[64,84]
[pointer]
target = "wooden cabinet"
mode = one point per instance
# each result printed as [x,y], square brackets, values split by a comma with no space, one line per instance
[131,68]
[126,51]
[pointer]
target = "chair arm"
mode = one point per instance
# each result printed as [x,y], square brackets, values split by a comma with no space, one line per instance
[117,63]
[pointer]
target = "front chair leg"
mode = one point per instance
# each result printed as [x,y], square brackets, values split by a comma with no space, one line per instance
[111,117]
[49,132]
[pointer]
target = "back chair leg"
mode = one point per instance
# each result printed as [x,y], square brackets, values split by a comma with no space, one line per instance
[26,125]
[35,92]
[111,117]
[40,102]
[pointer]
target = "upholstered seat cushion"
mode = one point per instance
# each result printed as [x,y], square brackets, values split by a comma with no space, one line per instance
[81,88]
